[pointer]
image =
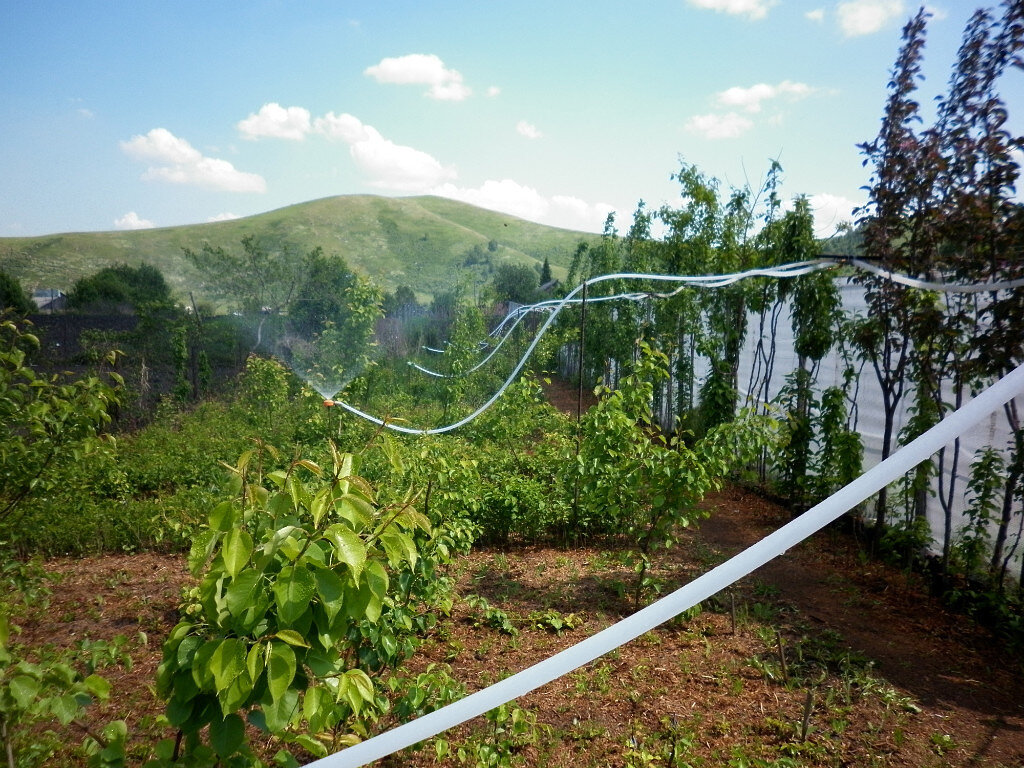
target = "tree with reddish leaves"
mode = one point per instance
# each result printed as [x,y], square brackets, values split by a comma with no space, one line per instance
[941,206]
[898,196]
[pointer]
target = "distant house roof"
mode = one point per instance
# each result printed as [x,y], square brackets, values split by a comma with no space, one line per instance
[49,299]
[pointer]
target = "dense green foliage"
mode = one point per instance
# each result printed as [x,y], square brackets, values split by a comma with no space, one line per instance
[120,288]
[13,297]
[46,425]
[312,594]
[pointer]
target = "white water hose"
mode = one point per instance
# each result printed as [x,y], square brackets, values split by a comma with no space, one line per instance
[712,582]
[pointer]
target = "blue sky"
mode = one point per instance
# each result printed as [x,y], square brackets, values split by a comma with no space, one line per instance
[117,115]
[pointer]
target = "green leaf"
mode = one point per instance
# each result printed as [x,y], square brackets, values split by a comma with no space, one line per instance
[331,589]
[280,669]
[356,510]
[187,650]
[398,547]
[378,579]
[227,735]
[357,688]
[178,712]
[254,661]
[311,745]
[98,686]
[236,550]
[199,553]
[278,712]
[292,637]
[348,547]
[202,673]
[294,588]
[223,517]
[236,694]
[227,662]
[64,708]
[241,592]
[23,690]
[318,506]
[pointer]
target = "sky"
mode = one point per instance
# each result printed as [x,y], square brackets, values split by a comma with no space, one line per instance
[124,115]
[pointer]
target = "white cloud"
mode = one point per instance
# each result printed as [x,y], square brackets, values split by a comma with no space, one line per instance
[529,130]
[131,220]
[275,121]
[865,17]
[714,126]
[386,164]
[752,9]
[222,217]
[421,69]
[509,196]
[493,91]
[829,212]
[818,14]
[176,161]
[749,99]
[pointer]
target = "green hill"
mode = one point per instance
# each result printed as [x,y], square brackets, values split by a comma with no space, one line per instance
[422,242]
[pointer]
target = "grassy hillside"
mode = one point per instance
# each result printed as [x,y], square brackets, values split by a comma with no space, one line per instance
[417,241]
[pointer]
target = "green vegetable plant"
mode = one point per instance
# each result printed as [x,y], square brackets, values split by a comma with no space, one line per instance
[307,604]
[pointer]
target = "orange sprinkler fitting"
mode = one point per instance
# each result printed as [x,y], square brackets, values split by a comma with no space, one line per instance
[328,403]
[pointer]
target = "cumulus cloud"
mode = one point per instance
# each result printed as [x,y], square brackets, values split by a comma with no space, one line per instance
[509,196]
[750,99]
[275,121]
[175,161]
[493,91]
[830,211]
[421,69]
[528,130]
[865,17]
[385,163]
[132,220]
[752,9]
[818,14]
[715,126]
[222,217]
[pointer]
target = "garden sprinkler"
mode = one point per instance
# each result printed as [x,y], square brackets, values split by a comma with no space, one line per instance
[329,403]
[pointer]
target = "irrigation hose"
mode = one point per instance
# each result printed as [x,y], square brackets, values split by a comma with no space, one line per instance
[710,281]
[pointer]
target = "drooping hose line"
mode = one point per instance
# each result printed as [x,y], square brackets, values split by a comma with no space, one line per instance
[709,281]
[521,312]
[929,285]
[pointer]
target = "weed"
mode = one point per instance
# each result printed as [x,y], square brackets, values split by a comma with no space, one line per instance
[488,615]
[942,743]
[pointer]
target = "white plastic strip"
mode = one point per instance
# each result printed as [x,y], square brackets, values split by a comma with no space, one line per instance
[773,545]
[928,285]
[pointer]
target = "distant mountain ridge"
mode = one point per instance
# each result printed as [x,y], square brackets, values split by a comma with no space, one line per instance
[428,243]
